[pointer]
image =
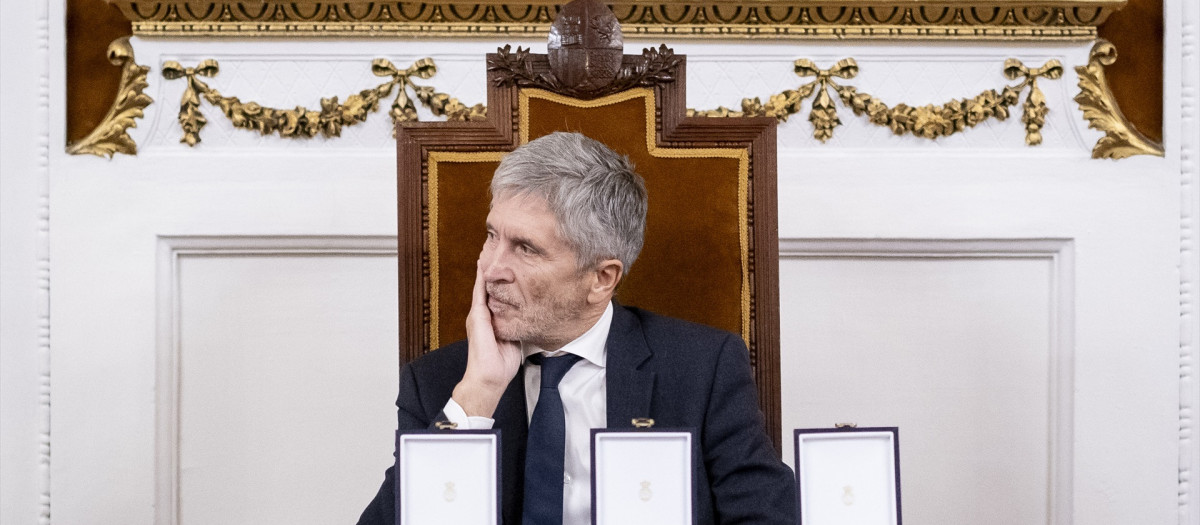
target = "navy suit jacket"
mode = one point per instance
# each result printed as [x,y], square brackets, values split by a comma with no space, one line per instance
[681,374]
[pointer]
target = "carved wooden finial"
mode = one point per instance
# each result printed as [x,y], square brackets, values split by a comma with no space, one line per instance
[585,45]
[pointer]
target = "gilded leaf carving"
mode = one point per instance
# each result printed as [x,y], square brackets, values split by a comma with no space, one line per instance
[1100,109]
[111,135]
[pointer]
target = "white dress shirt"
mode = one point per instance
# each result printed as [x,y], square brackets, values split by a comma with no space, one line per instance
[585,406]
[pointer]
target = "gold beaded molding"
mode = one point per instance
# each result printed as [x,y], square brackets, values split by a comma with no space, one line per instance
[1100,108]
[721,19]
[111,135]
[328,121]
[928,121]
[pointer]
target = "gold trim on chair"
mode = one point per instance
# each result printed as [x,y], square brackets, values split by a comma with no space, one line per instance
[717,19]
[435,158]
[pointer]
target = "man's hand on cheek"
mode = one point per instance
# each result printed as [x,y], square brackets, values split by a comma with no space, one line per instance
[491,363]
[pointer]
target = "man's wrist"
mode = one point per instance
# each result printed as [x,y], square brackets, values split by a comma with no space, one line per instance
[477,399]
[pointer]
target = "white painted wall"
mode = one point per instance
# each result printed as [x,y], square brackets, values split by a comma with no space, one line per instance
[280,410]
[978,383]
[24,268]
[221,319]
[1183,40]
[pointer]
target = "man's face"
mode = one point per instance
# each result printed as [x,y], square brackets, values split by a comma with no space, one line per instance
[535,290]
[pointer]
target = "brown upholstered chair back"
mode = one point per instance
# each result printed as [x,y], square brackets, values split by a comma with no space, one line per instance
[710,252]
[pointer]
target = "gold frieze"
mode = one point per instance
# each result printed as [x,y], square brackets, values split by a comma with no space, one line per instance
[721,19]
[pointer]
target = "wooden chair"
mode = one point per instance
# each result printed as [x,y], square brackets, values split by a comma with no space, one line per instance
[711,247]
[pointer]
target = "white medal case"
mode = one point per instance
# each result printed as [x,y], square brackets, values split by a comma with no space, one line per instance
[848,475]
[642,477]
[448,477]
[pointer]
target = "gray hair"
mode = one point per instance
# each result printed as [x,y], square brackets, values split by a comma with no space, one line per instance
[597,197]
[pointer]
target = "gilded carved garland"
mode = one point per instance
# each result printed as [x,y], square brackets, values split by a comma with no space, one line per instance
[302,122]
[929,121]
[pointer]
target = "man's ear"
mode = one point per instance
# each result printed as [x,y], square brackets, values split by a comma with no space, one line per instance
[606,276]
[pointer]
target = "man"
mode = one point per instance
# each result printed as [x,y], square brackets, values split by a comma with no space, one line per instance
[566,223]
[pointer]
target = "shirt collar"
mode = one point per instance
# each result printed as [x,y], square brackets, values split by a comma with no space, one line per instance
[590,346]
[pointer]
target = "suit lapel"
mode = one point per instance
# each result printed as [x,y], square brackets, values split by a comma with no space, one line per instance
[628,388]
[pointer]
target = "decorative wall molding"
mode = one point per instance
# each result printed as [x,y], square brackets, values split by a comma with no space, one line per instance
[45,350]
[927,121]
[1060,253]
[1189,263]
[111,135]
[813,19]
[305,123]
[1100,109]
[170,251]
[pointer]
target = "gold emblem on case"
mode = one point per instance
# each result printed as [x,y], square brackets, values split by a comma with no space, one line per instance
[645,493]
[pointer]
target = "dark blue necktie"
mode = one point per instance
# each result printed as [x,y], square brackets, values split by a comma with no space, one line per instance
[545,447]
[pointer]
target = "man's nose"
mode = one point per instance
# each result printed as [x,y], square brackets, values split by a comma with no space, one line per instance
[496,266]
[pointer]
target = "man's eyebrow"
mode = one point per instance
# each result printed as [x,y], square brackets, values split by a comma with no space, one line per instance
[527,241]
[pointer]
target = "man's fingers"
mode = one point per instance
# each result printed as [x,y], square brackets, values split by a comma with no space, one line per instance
[479,313]
[479,294]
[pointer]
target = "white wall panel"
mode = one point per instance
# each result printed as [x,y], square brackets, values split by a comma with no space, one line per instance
[108,223]
[965,346]
[278,355]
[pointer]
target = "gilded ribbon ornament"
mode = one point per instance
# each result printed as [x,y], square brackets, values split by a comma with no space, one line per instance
[1100,108]
[302,122]
[111,135]
[929,121]
[1033,112]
